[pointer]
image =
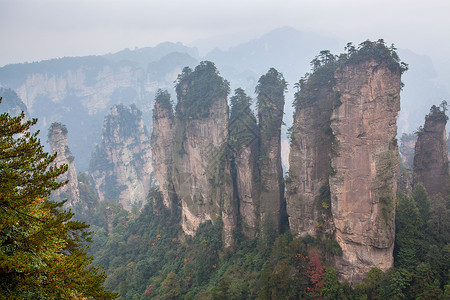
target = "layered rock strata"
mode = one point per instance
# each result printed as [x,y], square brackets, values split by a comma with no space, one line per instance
[57,138]
[431,155]
[162,144]
[121,167]
[364,165]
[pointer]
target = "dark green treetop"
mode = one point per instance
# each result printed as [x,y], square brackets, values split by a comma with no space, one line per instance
[199,89]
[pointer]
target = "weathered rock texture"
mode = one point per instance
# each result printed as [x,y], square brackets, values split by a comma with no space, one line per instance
[244,142]
[162,143]
[57,138]
[270,90]
[364,164]
[201,174]
[309,160]
[431,155]
[121,166]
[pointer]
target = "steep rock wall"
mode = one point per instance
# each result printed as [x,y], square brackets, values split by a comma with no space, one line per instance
[57,138]
[364,166]
[121,167]
[201,173]
[431,154]
[244,143]
[162,144]
[309,160]
[270,90]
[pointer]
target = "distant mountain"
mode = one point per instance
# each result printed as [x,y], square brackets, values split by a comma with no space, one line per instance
[422,90]
[288,50]
[79,91]
[146,55]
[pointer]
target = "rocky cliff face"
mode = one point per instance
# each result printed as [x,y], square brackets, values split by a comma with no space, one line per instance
[121,166]
[270,90]
[201,173]
[57,138]
[162,143]
[344,155]
[431,154]
[309,159]
[365,163]
[244,142]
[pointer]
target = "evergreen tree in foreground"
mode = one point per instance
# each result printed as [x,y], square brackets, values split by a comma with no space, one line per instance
[41,250]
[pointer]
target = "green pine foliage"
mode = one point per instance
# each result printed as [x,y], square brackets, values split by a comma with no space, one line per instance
[42,253]
[199,89]
[324,66]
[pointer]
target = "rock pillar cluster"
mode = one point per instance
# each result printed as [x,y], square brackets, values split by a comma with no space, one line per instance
[221,169]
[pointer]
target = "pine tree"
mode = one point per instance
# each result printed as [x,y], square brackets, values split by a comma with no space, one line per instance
[42,254]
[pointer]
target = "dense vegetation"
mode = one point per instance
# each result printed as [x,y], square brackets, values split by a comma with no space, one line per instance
[42,255]
[146,256]
[243,127]
[324,65]
[199,89]
[270,103]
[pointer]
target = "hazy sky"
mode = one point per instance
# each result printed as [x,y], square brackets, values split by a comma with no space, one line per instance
[33,30]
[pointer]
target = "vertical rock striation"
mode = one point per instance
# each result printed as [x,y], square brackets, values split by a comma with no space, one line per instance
[431,158]
[309,158]
[201,173]
[162,144]
[344,155]
[244,141]
[270,100]
[121,167]
[364,164]
[57,138]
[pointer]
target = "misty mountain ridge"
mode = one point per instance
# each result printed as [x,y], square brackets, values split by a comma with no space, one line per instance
[79,91]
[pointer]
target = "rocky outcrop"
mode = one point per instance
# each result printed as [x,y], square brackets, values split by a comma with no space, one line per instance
[270,90]
[57,138]
[244,143]
[162,143]
[121,166]
[365,163]
[431,154]
[307,194]
[201,173]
